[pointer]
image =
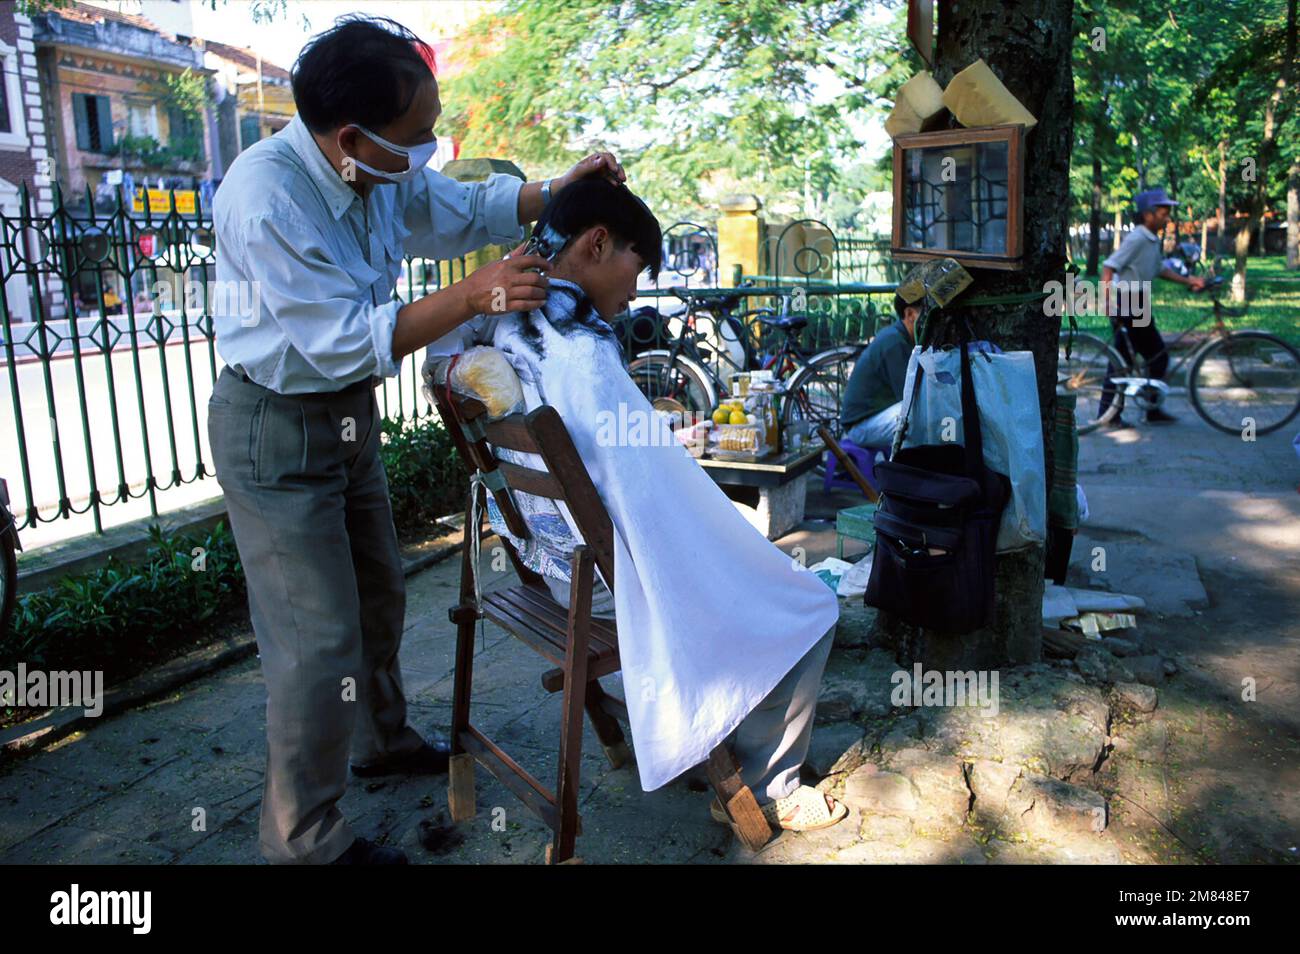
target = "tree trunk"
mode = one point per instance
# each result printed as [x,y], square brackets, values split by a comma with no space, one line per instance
[1170,237]
[1271,124]
[1117,235]
[1242,251]
[1205,237]
[1221,230]
[1027,44]
[1293,216]
[1094,212]
[1293,174]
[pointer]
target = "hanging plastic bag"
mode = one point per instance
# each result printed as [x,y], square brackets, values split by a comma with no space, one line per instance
[1006,391]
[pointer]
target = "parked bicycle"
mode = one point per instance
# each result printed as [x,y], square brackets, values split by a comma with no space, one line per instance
[693,374]
[1234,378]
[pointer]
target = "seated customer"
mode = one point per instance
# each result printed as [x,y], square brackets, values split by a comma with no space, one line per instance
[873,398]
[721,635]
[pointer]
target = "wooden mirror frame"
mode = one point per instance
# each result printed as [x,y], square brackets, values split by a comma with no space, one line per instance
[1014,137]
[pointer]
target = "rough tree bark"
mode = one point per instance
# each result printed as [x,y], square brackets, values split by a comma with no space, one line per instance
[1027,44]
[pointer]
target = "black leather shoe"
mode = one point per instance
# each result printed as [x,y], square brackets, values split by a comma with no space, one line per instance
[428,759]
[366,852]
[1157,416]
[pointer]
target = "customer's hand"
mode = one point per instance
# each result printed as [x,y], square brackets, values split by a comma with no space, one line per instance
[597,164]
[508,285]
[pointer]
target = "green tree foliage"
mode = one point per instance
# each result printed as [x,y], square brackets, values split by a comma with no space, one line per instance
[699,97]
[1166,84]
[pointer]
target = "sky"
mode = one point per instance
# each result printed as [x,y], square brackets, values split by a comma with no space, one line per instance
[279,42]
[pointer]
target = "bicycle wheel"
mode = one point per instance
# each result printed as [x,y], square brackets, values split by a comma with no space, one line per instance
[1084,375]
[658,375]
[816,391]
[1246,376]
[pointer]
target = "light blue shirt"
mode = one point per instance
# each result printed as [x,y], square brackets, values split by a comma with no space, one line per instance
[306,271]
[1138,258]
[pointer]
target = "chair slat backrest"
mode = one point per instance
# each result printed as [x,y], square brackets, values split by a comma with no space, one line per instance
[540,432]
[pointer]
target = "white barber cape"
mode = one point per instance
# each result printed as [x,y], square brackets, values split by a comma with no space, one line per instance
[711,615]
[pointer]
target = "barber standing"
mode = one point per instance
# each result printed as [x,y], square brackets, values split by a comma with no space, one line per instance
[312,225]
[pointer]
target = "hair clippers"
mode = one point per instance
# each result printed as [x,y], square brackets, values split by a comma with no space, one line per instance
[546,241]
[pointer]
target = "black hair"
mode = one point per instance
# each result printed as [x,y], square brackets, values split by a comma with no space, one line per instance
[362,70]
[900,307]
[597,201]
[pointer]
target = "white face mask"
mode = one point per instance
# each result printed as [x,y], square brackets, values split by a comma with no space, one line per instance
[417,157]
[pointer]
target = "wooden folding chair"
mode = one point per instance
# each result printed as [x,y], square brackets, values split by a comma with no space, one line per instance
[582,648]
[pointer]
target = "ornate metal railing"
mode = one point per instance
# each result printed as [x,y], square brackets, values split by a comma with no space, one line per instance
[108,379]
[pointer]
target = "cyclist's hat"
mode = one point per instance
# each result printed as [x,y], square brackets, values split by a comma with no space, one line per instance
[1152,198]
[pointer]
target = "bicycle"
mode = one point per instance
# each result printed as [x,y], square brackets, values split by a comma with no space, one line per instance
[693,374]
[1234,378]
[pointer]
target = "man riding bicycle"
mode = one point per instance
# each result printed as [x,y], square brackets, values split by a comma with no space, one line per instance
[1136,263]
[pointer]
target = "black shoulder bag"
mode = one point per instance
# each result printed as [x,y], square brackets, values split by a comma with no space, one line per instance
[937,526]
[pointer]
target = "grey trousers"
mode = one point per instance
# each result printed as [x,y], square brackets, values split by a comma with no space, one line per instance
[308,504]
[771,742]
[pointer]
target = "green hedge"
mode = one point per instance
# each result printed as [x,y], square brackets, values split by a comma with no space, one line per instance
[121,617]
[426,479]
[127,613]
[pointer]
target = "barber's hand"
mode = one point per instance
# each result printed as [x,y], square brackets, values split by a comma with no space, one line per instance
[508,285]
[1196,283]
[597,164]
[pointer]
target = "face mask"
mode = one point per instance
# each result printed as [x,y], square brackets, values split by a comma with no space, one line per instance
[417,157]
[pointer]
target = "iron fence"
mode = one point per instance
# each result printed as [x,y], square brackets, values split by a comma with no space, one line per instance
[108,381]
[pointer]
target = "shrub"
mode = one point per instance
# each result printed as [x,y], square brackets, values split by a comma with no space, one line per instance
[122,616]
[122,611]
[426,478]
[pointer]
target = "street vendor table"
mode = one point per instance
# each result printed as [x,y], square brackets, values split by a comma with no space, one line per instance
[769,491]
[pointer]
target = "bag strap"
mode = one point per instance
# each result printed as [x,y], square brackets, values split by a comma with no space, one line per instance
[900,432]
[970,415]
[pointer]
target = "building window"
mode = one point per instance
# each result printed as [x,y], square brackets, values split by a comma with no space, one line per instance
[142,120]
[6,124]
[94,121]
[13,128]
[250,130]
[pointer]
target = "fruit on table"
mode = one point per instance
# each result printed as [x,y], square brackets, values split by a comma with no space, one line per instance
[722,415]
[738,417]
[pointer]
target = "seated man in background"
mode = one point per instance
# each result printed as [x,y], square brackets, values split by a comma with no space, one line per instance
[873,398]
[721,635]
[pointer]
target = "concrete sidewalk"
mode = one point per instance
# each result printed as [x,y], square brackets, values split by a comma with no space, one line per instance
[179,781]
